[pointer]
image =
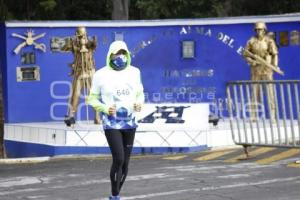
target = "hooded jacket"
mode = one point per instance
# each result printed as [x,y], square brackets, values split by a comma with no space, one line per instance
[117,88]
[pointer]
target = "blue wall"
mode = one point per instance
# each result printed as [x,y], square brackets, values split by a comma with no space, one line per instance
[156,51]
[3,67]
[16,149]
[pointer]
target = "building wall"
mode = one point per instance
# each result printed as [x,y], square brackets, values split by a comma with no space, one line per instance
[156,50]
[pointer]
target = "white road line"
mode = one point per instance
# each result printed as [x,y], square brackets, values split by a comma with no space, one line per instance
[276,180]
[28,190]
[200,167]
[36,197]
[20,181]
[234,176]
[270,181]
[34,180]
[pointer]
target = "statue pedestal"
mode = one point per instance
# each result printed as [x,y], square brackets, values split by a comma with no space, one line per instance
[190,131]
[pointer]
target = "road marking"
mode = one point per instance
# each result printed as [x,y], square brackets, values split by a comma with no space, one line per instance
[15,191]
[147,176]
[174,157]
[20,181]
[237,185]
[213,155]
[233,176]
[280,156]
[200,169]
[294,165]
[253,153]
[36,197]
[276,180]
[177,167]
[35,180]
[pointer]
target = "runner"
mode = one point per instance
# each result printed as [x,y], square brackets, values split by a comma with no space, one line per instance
[117,92]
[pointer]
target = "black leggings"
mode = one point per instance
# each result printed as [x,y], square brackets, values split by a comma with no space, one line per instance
[120,144]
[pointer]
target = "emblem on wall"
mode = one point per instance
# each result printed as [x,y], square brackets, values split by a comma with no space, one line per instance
[172,114]
[29,39]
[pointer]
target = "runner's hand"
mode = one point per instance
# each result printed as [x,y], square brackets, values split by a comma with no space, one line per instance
[112,110]
[137,107]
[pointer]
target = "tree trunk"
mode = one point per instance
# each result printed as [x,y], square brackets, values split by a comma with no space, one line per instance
[2,148]
[120,10]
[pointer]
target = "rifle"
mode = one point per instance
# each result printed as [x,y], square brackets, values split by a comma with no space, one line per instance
[19,47]
[262,61]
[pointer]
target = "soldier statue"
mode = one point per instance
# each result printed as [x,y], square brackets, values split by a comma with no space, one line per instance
[82,70]
[261,53]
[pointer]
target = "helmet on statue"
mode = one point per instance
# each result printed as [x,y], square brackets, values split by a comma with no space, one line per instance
[260,25]
[81,31]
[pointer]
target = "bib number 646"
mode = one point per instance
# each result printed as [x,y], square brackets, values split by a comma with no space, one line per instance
[123,92]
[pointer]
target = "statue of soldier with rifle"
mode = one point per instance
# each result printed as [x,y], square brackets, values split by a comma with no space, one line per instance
[82,70]
[261,53]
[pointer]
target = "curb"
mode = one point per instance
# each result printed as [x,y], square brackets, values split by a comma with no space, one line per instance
[31,160]
[24,160]
[79,157]
[87,156]
[50,158]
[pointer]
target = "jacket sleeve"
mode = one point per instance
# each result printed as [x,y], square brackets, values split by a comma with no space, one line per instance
[93,100]
[94,96]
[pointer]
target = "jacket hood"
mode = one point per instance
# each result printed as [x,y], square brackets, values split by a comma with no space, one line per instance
[114,48]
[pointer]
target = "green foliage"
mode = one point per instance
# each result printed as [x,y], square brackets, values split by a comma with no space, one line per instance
[55,9]
[163,9]
[151,9]
[141,9]
[48,5]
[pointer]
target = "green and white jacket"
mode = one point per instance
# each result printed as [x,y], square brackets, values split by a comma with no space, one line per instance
[120,88]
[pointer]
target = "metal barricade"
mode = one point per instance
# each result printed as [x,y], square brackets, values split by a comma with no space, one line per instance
[264,113]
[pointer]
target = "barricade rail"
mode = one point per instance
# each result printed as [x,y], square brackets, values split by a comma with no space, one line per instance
[264,113]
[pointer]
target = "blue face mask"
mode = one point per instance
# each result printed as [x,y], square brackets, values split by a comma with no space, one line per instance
[119,62]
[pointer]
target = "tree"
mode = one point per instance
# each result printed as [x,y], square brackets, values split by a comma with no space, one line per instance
[120,10]
[139,9]
[2,148]
[166,9]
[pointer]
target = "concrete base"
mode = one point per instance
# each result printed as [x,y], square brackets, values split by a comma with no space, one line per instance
[54,138]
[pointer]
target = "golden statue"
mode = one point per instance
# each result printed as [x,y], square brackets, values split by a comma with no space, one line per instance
[261,53]
[82,70]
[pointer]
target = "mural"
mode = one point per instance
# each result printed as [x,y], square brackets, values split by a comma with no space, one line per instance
[185,63]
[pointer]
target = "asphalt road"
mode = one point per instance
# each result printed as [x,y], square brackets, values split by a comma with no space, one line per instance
[218,175]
